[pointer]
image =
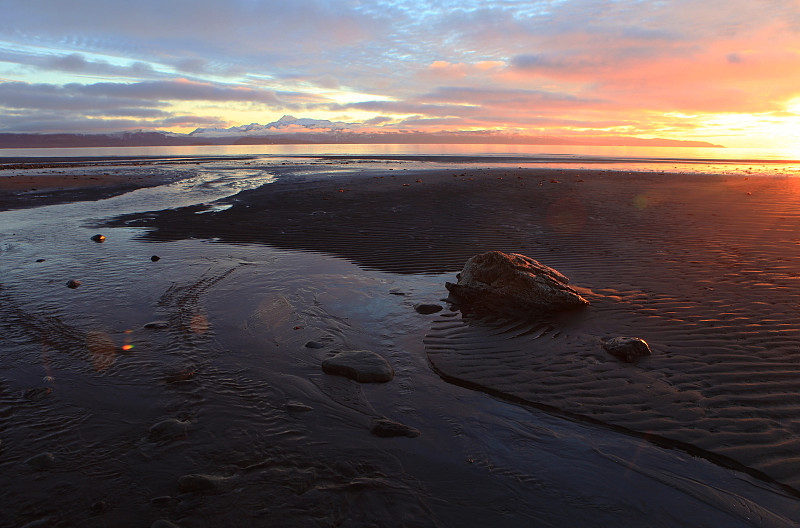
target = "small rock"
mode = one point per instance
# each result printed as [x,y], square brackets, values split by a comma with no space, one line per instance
[73,283]
[168,430]
[157,325]
[200,483]
[386,428]
[627,349]
[314,344]
[155,258]
[99,507]
[360,365]
[99,238]
[40,260]
[41,461]
[298,407]
[426,309]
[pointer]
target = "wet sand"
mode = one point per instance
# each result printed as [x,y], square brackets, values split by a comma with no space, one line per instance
[32,182]
[702,267]
[702,270]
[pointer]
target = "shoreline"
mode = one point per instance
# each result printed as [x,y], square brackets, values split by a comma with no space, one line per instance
[35,182]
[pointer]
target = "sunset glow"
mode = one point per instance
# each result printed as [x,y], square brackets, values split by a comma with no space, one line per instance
[719,72]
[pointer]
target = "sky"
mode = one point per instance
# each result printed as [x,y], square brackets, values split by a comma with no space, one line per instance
[723,71]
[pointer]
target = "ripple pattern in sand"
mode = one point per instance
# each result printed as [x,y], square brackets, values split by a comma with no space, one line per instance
[712,286]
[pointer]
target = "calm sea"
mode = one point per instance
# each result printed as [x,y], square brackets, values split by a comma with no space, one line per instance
[667,159]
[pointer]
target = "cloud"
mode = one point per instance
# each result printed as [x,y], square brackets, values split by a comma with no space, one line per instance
[114,95]
[459,63]
[404,107]
[377,120]
[502,97]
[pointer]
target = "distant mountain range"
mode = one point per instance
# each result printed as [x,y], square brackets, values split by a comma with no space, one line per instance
[286,122]
[291,130]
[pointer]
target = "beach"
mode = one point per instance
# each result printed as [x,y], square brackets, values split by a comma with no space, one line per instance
[182,379]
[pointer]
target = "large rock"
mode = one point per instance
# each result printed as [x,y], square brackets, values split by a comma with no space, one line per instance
[361,365]
[503,282]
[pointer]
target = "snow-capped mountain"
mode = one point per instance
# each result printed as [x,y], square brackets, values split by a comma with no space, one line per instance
[281,125]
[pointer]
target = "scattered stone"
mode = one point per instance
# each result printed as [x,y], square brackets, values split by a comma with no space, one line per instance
[386,428]
[155,258]
[196,482]
[40,260]
[314,344]
[360,365]
[295,407]
[627,349]
[99,238]
[73,283]
[168,430]
[426,309]
[157,325]
[163,523]
[41,461]
[501,281]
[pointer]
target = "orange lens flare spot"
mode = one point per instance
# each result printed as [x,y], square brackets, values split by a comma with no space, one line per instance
[127,347]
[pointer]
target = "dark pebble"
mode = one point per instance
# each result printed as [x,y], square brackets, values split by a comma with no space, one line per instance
[168,430]
[627,349]
[41,461]
[386,428]
[73,283]
[201,483]
[98,238]
[40,260]
[428,308]
[156,325]
[314,344]
[155,258]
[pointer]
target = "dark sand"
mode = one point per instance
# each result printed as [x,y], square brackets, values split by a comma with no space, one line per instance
[703,267]
[702,270]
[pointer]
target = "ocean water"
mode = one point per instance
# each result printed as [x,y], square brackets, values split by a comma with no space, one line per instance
[686,159]
[84,386]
